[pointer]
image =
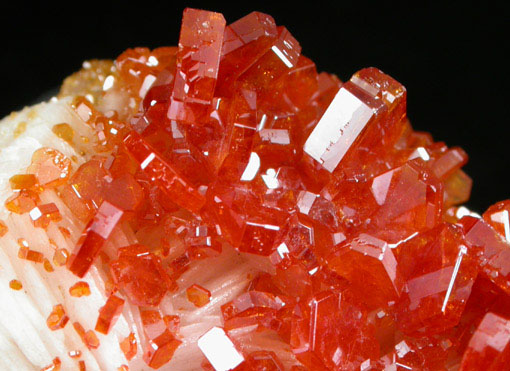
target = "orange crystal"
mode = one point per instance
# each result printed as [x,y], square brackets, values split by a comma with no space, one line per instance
[22,202]
[22,181]
[51,167]
[64,131]
[47,266]
[26,253]
[55,365]
[79,289]
[129,346]
[3,228]
[108,314]
[89,337]
[15,285]
[57,318]
[60,257]
[140,276]
[197,295]
[489,348]
[93,238]
[42,215]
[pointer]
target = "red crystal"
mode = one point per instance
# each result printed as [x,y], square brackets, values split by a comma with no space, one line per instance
[161,342]
[57,318]
[42,215]
[489,348]
[371,267]
[493,251]
[368,107]
[198,60]
[94,236]
[439,270]
[140,276]
[198,295]
[51,167]
[162,174]
[108,314]
[129,346]
[161,349]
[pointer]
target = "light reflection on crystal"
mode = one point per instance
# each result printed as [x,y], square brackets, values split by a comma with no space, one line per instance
[219,350]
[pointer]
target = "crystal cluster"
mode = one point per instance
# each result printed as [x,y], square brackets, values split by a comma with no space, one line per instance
[232,140]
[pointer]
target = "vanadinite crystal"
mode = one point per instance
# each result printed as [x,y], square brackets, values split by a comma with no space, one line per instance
[360,254]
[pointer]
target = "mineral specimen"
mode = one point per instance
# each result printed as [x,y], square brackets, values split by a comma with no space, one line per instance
[233,148]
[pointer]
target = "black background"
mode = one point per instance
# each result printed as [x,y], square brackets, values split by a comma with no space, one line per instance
[449,56]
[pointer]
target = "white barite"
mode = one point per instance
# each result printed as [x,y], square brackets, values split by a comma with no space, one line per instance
[341,124]
[219,350]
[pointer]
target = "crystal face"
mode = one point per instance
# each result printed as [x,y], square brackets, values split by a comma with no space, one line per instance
[235,209]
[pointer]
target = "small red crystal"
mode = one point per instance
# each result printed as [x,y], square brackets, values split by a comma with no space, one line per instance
[79,289]
[198,295]
[162,174]
[57,318]
[51,167]
[161,349]
[371,267]
[89,337]
[93,238]
[198,60]
[42,215]
[129,346]
[108,314]
[140,276]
